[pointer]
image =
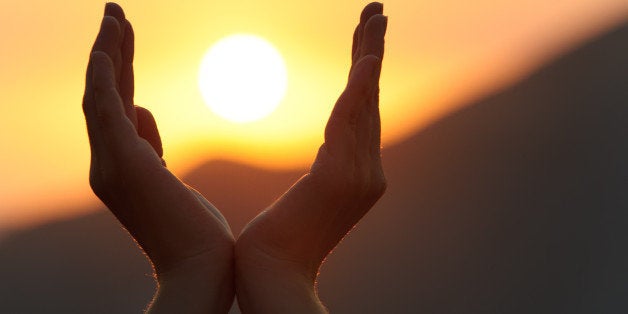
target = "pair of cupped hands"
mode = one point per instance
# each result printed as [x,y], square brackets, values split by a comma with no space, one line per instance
[199,266]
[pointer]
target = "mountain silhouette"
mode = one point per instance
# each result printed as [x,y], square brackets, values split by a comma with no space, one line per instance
[515,204]
[240,191]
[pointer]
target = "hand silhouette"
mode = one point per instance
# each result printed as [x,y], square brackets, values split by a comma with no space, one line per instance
[186,238]
[279,253]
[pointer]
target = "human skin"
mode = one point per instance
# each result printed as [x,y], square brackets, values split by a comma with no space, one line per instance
[187,239]
[279,252]
[198,264]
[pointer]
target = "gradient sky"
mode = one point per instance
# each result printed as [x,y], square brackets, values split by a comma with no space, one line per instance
[440,54]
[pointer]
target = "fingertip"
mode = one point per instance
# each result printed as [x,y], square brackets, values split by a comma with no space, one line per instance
[109,21]
[378,23]
[108,34]
[385,22]
[374,33]
[128,29]
[129,42]
[370,10]
[115,10]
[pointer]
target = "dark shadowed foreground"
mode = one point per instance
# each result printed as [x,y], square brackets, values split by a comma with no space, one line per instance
[516,204]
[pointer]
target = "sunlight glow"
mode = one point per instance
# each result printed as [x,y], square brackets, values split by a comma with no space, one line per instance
[243,78]
[433,66]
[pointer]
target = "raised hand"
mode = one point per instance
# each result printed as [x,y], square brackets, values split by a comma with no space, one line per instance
[186,238]
[279,253]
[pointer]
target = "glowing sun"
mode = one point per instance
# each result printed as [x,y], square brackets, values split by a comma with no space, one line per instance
[242,78]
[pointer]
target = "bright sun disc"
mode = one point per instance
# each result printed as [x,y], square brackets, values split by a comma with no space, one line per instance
[242,78]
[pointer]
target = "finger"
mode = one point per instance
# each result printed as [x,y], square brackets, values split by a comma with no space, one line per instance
[341,125]
[126,82]
[371,144]
[368,11]
[375,129]
[115,10]
[373,38]
[118,132]
[96,142]
[363,135]
[108,36]
[368,127]
[106,40]
[358,89]
[355,45]
[373,44]
[89,109]
[123,60]
[147,129]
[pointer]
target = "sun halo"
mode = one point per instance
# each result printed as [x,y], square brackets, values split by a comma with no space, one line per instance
[242,78]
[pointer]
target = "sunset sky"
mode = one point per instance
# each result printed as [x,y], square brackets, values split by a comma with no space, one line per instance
[440,54]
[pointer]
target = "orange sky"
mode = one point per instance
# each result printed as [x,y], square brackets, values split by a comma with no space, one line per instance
[439,55]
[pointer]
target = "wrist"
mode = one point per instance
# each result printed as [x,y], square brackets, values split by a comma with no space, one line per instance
[270,292]
[202,284]
[267,285]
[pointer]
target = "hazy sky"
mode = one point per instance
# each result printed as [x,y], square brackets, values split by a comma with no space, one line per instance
[439,55]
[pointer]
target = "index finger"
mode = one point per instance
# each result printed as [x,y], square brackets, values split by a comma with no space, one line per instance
[106,40]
